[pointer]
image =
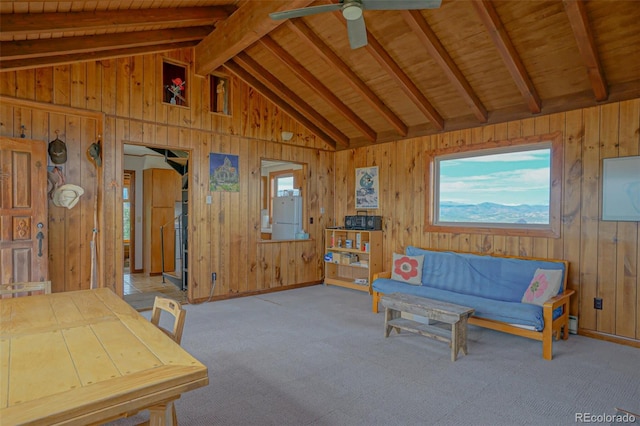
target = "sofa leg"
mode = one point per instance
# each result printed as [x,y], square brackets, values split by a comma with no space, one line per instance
[547,347]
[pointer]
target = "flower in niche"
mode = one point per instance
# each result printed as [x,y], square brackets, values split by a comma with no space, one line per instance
[537,287]
[406,267]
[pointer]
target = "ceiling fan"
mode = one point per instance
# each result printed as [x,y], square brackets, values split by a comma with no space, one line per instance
[352,12]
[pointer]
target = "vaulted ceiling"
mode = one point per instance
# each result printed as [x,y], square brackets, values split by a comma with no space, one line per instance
[464,64]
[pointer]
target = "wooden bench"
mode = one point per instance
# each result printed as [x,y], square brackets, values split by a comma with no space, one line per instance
[454,315]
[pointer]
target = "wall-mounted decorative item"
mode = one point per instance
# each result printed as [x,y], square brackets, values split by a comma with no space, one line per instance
[220,94]
[621,189]
[367,188]
[224,174]
[57,151]
[174,81]
[95,152]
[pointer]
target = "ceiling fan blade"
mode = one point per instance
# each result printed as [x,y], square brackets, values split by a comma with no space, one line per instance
[400,4]
[305,11]
[357,33]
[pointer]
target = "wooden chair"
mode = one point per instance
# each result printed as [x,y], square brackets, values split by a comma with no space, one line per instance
[8,291]
[175,309]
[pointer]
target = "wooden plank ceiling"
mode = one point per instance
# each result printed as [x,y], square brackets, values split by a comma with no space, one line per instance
[461,65]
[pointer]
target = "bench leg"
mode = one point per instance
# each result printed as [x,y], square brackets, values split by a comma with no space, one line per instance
[455,340]
[390,314]
[459,338]
[463,334]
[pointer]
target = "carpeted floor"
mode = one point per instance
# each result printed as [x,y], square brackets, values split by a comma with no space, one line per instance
[317,356]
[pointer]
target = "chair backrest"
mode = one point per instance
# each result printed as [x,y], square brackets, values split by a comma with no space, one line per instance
[175,309]
[8,291]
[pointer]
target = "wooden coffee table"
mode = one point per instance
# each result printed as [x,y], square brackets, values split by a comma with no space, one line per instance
[454,315]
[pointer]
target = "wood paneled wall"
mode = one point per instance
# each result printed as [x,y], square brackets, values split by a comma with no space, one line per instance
[604,256]
[120,101]
[70,230]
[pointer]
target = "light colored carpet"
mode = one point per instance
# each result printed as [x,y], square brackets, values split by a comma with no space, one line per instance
[317,356]
[142,301]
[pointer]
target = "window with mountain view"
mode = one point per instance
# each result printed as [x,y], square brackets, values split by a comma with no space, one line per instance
[505,187]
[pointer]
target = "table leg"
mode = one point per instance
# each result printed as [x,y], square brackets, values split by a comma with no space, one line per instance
[163,415]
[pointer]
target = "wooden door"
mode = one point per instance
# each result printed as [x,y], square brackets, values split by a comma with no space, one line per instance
[23,210]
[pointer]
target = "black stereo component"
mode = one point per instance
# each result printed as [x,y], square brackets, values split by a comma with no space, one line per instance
[363,223]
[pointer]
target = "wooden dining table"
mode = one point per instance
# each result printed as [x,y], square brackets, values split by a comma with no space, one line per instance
[87,357]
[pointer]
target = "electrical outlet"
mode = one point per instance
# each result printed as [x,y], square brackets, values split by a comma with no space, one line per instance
[311,220]
[214,276]
[597,303]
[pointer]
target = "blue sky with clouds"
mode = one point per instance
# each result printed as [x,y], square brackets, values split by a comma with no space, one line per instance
[508,178]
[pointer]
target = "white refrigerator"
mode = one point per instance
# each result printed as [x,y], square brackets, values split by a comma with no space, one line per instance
[287,217]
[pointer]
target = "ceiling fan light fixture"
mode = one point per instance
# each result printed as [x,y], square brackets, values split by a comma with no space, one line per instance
[352,12]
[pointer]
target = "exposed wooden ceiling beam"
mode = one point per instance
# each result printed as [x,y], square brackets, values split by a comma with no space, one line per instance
[617,93]
[577,13]
[24,49]
[430,41]
[234,66]
[394,70]
[501,40]
[312,120]
[30,23]
[44,61]
[322,49]
[316,85]
[244,27]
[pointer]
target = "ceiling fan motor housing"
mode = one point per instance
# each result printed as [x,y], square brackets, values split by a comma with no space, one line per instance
[352,10]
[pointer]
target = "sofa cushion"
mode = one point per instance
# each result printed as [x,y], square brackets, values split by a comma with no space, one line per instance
[543,286]
[509,312]
[498,278]
[407,268]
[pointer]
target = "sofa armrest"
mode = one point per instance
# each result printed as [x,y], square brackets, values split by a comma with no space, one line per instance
[383,274]
[375,299]
[559,300]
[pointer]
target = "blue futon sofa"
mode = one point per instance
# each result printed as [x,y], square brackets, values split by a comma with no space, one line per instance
[494,286]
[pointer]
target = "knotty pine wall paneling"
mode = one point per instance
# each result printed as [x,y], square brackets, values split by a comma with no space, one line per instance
[70,230]
[604,256]
[120,101]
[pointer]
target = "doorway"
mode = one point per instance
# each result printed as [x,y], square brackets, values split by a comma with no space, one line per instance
[129,225]
[155,199]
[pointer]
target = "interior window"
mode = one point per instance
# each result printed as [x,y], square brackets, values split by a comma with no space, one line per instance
[281,179]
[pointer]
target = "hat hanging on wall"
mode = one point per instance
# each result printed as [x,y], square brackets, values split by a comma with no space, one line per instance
[58,151]
[67,195]
[95,152]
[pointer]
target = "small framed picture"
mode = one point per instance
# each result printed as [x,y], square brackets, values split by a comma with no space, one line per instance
[621,189]
[367,188]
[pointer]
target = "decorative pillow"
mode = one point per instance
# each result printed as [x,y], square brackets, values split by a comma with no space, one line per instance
[407,268]
[544,285]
